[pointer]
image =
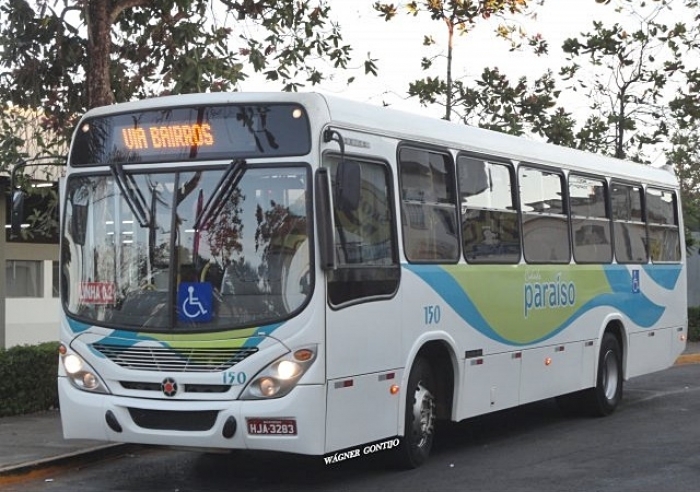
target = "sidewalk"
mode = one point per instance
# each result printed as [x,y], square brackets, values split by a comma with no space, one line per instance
[30,442]
[35,441]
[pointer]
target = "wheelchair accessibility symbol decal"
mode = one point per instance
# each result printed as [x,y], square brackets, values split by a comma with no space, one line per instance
[195,301]
[635,282]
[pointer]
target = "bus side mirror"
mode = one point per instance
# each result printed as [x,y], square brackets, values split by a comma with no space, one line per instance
[17,212]
[348,183]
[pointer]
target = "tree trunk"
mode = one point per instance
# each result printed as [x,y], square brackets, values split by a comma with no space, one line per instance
[99,90]
[450,36]
[620,127]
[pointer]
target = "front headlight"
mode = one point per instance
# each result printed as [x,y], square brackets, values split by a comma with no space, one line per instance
[281,376]
[79,372]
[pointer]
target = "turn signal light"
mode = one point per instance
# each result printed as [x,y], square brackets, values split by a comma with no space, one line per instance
[303,355]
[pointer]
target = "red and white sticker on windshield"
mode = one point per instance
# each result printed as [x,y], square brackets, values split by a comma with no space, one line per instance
[97,293]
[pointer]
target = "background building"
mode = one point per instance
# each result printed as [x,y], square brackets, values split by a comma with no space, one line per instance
[29,303]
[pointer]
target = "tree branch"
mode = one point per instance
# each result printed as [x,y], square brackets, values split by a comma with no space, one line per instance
[119,6]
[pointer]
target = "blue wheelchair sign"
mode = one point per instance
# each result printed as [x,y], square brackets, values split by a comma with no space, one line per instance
[195,302]
[635,282]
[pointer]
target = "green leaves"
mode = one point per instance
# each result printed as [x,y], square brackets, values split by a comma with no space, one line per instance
[427,90]
[141,48]
[388,10]
[370,66]
[459,16]
[162,46]
[516,107]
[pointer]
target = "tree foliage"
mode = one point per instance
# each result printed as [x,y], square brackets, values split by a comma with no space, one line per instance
[640,80]
[626,86]
[66,56]
[459,17]
[496,103]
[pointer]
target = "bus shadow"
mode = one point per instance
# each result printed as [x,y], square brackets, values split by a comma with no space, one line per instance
[497,426]
[255,470]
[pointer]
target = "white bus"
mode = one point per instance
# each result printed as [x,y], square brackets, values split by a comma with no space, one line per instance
[305,274]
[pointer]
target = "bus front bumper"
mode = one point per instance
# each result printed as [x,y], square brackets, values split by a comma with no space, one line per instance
[250,424]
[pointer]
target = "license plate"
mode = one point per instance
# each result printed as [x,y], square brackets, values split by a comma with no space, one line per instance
[270,427]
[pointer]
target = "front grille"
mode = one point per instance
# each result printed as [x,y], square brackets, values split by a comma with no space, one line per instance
[170,360]
[169,420]
[187,388]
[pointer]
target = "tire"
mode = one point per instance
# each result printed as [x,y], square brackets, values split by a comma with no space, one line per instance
[603,399]
[420,416]
[606,396]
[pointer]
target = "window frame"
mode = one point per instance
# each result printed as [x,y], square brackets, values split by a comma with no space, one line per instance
[346,270]
[35,278]
[641,222]
[675,226]
[451,174]
[575,217]
[515,207]
[565,215]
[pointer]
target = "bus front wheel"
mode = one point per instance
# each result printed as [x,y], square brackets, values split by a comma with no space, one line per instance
[420,415]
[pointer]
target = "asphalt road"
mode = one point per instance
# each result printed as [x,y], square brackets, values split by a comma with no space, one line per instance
[652,443]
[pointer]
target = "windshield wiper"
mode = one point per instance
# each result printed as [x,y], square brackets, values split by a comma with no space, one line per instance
[232,176]
[132,194]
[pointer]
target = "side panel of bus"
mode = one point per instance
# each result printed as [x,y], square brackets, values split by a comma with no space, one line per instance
[514,332]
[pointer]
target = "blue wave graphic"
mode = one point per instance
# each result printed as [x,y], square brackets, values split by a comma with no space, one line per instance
[77,326]
[452,293]
[123,338]
[637,306]
[260,334]
[664,275]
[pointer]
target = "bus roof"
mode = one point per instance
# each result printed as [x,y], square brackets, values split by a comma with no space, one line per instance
[403,125]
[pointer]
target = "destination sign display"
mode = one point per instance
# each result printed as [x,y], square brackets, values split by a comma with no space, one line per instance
[168,136]
[177,134]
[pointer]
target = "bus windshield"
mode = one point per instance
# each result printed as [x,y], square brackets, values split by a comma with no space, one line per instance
[187,250]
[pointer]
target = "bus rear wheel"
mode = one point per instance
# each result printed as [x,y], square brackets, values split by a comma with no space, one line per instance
[420,416]
[605,396]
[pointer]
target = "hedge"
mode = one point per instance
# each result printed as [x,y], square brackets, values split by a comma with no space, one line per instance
[694,324]
[28,374]
[28,379]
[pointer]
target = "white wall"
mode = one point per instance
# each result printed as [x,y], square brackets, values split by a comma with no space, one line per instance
[33,320]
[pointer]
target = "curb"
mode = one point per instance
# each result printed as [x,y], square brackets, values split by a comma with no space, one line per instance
[688,359]
[83,456]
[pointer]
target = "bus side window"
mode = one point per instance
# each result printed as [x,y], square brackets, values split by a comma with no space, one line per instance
[364,239]
[590,220]
[490,228]
[664,235]
[631,243]
[545,223]
[428,205]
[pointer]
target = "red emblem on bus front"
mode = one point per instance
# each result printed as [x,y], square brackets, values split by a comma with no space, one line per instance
[169,387]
